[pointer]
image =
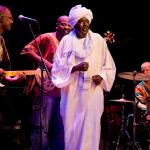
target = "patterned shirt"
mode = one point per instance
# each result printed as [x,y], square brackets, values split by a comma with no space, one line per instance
[47,44]
[4,56]
[142,92]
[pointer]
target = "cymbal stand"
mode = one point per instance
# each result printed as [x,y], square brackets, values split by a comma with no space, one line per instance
[122,129]
[136,145]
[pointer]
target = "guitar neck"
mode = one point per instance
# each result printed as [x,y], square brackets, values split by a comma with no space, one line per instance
[26,72]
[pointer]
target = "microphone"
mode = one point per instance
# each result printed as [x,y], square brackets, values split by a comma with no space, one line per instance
[24,18]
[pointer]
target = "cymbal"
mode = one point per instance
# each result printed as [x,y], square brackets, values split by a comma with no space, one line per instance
[134,76]
[121,100]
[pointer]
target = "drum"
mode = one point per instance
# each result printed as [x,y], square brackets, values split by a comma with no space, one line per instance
[141,127]
[110,124]
[113,115]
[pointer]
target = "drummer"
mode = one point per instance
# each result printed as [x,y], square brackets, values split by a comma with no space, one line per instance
[142,89]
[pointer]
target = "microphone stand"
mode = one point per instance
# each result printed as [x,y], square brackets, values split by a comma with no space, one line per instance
[43,68]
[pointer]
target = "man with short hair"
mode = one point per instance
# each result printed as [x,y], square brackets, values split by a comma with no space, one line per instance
[142,89]
[45,101]
[7,111]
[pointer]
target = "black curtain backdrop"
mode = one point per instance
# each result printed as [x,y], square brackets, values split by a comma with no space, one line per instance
[129,20]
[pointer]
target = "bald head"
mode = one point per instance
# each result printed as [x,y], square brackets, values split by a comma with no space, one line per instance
[62,18]
[62,26]
[145,67]
[145,64]
[3,10]
[6,19]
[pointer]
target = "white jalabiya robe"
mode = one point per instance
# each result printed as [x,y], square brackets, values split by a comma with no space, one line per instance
[82,102]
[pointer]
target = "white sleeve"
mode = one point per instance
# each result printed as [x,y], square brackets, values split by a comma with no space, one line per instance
[108,70]
[62,66]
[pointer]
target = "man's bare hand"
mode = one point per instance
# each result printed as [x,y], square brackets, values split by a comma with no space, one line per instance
[16,79]
[81,67]
[97,79]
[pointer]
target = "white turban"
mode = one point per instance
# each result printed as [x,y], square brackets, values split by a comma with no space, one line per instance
[77,12]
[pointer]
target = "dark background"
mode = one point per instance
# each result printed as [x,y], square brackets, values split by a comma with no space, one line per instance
[129,20]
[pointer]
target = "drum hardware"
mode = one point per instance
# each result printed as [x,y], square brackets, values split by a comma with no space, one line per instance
[111,124]
[148,120]
[135,76]
[148,109]
[122,100]
[123,130]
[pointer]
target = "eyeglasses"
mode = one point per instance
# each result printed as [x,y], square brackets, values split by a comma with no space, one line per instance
[9,17]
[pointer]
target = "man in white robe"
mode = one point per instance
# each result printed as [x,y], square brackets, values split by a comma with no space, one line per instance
[83,67]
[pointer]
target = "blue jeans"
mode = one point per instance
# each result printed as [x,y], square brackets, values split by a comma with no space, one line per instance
[47,130]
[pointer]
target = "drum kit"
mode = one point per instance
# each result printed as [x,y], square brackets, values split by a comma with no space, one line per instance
[134,76]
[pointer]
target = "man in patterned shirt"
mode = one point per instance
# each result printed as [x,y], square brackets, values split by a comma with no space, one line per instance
[142,90]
